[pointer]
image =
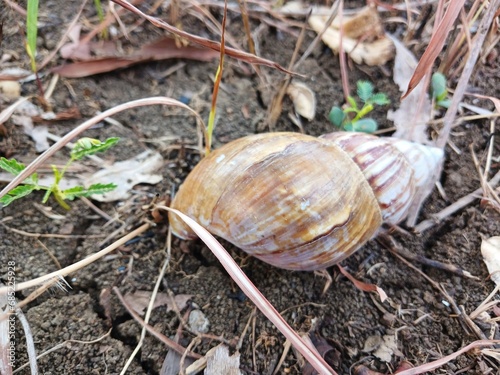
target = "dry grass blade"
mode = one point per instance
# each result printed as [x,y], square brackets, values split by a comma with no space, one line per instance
[30,343]
[436,44]
[442,361]
[477,44]
[218,79]
[254,294]
[244,56]
[75,266]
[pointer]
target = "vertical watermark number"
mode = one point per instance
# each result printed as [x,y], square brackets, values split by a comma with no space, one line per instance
[11,301]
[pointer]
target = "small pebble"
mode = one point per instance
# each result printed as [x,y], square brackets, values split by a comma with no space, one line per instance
[198,321]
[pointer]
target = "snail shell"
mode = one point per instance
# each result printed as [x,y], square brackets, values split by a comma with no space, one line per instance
[296,201]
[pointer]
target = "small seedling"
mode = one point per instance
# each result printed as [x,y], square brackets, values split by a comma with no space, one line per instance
[439,91]
[32,31]
[100,15]
[351,117]
[83,147]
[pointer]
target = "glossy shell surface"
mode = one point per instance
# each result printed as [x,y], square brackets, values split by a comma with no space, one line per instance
[385,168]
[292,200]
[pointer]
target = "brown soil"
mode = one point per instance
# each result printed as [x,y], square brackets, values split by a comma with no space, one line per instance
[426,327]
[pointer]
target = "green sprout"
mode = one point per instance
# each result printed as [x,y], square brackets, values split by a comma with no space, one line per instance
[439,91]
[83,147]
[351,117]
[100,15]
[31,31]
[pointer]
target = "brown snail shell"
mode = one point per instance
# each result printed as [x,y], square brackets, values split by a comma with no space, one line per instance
[296,201]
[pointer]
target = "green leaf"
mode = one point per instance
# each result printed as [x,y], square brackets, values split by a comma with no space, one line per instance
[380,99]
[349,127]
[438,85]
[31,31]
[91,146]
[14,167]
[16,193]
[80,191]
[365,90]
[445,103]
[352,102]
[336,116]
[366,125]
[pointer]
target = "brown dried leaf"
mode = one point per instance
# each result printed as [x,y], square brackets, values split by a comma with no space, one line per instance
[162,49]
[411,118]
[364,286]
[364,39]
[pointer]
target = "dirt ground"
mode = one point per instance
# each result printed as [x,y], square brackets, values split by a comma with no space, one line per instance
[417,315]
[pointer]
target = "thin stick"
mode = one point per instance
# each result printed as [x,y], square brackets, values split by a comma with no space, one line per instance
[333,13]
[151,304]
[170,343]
[64,344]
[343,69]
[78,265]
[389,243]
[451,209]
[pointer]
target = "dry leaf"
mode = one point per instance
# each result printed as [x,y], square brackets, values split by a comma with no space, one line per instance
[14,74]
[109,59]
[364,286]
[490,249]
[126,174]
[413,115]
[364,39]
[304,101]
[139,300]
[219,362]
[382,347]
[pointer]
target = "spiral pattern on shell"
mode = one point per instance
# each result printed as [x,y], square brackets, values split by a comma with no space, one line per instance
[296,201]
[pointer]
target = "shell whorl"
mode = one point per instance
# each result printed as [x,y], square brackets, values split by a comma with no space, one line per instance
[295,201]
[397,170]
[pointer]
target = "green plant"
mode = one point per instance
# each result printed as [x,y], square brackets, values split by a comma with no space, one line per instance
[31,31]
[351,117]
[83,147]
[439,91]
